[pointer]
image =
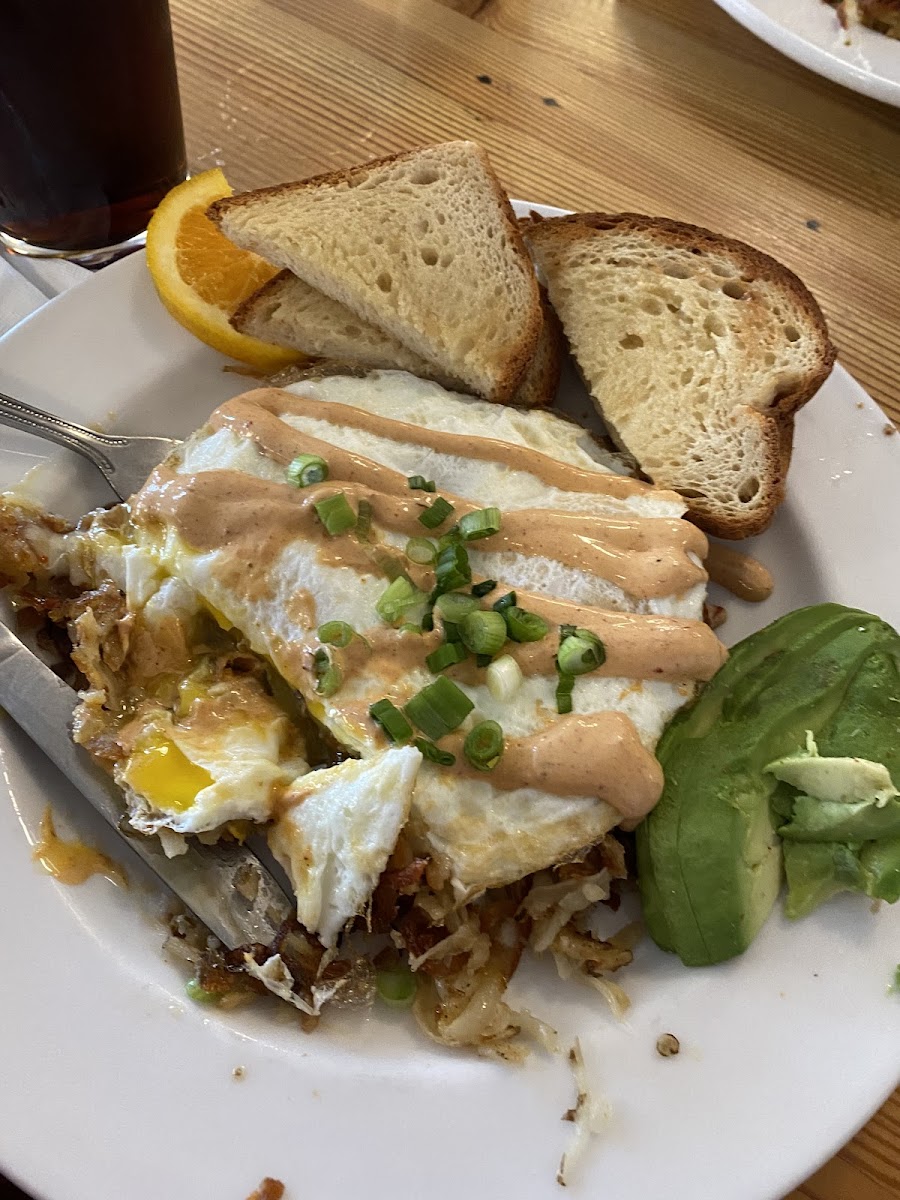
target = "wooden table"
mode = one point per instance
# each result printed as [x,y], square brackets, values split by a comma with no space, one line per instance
[657,106]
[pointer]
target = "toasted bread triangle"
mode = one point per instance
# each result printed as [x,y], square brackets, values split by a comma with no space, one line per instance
[422,245]
[697,350]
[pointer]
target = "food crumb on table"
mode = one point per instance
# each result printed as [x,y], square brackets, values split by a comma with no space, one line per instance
[238,1072]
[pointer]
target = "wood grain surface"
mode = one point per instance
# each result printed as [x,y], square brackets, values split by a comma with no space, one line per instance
[665,107]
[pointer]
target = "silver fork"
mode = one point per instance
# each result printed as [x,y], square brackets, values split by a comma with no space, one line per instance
[125,462]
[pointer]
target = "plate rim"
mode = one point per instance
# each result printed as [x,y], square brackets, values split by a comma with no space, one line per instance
[812,56]
[124,268]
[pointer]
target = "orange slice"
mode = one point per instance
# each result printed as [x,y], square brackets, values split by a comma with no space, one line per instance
[201,277]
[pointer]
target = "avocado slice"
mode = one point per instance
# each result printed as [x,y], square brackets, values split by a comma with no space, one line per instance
[842,799]
[709,857]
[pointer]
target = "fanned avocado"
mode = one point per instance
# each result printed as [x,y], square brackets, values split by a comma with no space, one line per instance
[709,857]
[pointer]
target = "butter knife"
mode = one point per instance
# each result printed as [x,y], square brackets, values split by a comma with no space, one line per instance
[226,887]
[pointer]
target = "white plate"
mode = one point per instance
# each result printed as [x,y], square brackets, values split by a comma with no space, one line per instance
[808,31]
[114,1085]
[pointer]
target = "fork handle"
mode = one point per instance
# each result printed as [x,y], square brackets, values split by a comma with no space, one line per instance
[83,441]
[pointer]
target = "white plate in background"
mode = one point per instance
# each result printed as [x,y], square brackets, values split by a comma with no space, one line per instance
[808,31]
[115,1085]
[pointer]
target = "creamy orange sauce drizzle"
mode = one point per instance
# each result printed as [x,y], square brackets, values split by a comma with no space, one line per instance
[72,862]
[250,521]
[255,415]
[257,518]
[738,573]
[597,754]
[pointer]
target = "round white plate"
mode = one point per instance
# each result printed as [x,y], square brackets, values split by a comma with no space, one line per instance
[115,1085]
[808,31]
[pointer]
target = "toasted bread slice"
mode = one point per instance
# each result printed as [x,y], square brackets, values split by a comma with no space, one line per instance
[288,312]
[423,245]
[697,350]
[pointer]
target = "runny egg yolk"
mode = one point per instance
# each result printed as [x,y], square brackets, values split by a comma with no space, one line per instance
[165,776]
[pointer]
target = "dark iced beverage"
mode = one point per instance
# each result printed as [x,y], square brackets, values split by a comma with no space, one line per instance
[90,122]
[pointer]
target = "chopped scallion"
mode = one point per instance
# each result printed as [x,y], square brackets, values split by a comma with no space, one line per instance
[336,633]
[452,569]
[336,514]
[482,523]
[409,627]
[307,469]
[564,686]
[434,753]
[396,987]
[391,720]
[484,745]
[418,483]
[484,588]
[328,674]
[506,601]
[364,521]
[580,652]
[436,514]
[525,626]
[504,678]
[446,655]
[421,551]
[397,597]
[438,708]
[453,606]
[483,632]
[199,994]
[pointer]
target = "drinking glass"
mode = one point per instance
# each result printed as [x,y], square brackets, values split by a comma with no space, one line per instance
[91,137]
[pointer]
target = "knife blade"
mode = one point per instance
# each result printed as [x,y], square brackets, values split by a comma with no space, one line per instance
[226,887]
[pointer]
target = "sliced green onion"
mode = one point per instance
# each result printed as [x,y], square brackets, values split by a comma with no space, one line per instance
[336,514]
[427,622]
[483,588]
[436,514]
[409,627]
[199,994]
[453,606]
[525,626]
[452,569]
[434,753]
[364,521]
[421,550]
[578,655]
[484,745]
[328,674]
[391,720]
[482,523]
[446,655]
[450,538]
[307,469]
[504,602]
[418,483]
[397,597]
[336,633]
[483,632]
[451,631]
[564,686]
[439,708]
[504,678]
[396,987]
